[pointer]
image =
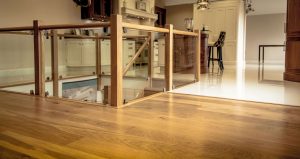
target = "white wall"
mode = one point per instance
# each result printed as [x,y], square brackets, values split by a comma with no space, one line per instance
[265,29]
[160,3]
[177,13]
[16,51]
[22,12]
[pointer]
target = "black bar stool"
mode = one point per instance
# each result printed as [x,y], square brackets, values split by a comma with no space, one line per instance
[219,45]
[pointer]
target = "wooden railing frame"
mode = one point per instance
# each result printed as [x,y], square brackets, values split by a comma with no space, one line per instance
[169,41]
[98,62]
[54,63]
[198,56]
[116,37]
[116,61]
[39,65]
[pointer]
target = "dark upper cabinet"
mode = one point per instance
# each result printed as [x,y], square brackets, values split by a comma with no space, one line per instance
[99,10]
[293,17]
[161,14]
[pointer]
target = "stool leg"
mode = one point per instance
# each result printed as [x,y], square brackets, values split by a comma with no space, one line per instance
[209,51]
[221,59]
[218,57]
[212,55]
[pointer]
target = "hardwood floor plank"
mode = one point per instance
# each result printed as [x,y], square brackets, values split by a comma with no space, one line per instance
[163,126]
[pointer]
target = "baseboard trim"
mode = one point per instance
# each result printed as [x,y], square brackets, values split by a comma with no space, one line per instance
[294,77]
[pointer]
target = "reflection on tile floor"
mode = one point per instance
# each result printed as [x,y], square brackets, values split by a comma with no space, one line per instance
[262,83]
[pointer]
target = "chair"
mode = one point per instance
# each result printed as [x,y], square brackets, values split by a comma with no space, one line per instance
[219,45]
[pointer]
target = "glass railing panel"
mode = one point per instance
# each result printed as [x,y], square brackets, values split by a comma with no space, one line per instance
[184,60]
[78,50]
[138,80]
[17,62]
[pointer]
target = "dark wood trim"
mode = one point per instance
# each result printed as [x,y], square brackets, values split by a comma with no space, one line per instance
[292,62]
[198,56]
[98,62]
[38,61]
[150,51]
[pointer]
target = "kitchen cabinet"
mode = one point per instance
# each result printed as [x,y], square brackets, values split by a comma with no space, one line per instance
[128,51]
[161,52]
[156,68]
[105,52]
[98,10]
[184,50]
[81,53]
[292,62]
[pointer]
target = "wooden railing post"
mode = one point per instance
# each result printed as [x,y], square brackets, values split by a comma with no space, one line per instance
[116,61]
[169,41]
[150,56]
[198,56]
[98,61]
[39,65]
[54,62]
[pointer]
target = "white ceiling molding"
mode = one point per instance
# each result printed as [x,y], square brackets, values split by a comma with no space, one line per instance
[178,2]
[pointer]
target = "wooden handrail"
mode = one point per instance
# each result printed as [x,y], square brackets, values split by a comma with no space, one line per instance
[135,56]
[16,29]
[16,33]
[145,27]
[72,26]
[95,25]
[180,32]
[60,26]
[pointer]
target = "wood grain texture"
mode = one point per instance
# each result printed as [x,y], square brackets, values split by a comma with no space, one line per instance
[98,62]
[169,51]
[164,126]
[150,55]
[39,65]
[292,56]
[116,61]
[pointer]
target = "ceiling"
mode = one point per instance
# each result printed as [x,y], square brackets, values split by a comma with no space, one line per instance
[260,6]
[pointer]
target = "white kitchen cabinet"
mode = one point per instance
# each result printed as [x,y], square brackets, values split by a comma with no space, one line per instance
[161,52]
[81,53]
[156,68]
[128,51]
[105,52]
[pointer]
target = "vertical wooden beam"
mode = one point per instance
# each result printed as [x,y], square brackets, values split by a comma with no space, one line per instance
[198,56]
[54,62]
[150,56]
[39,67]
[98,61]
[116,61]
[169,58]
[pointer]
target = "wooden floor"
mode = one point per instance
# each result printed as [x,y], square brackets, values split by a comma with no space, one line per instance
[166,126]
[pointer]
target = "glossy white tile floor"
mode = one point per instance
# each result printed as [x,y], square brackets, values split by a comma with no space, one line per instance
[247,84]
